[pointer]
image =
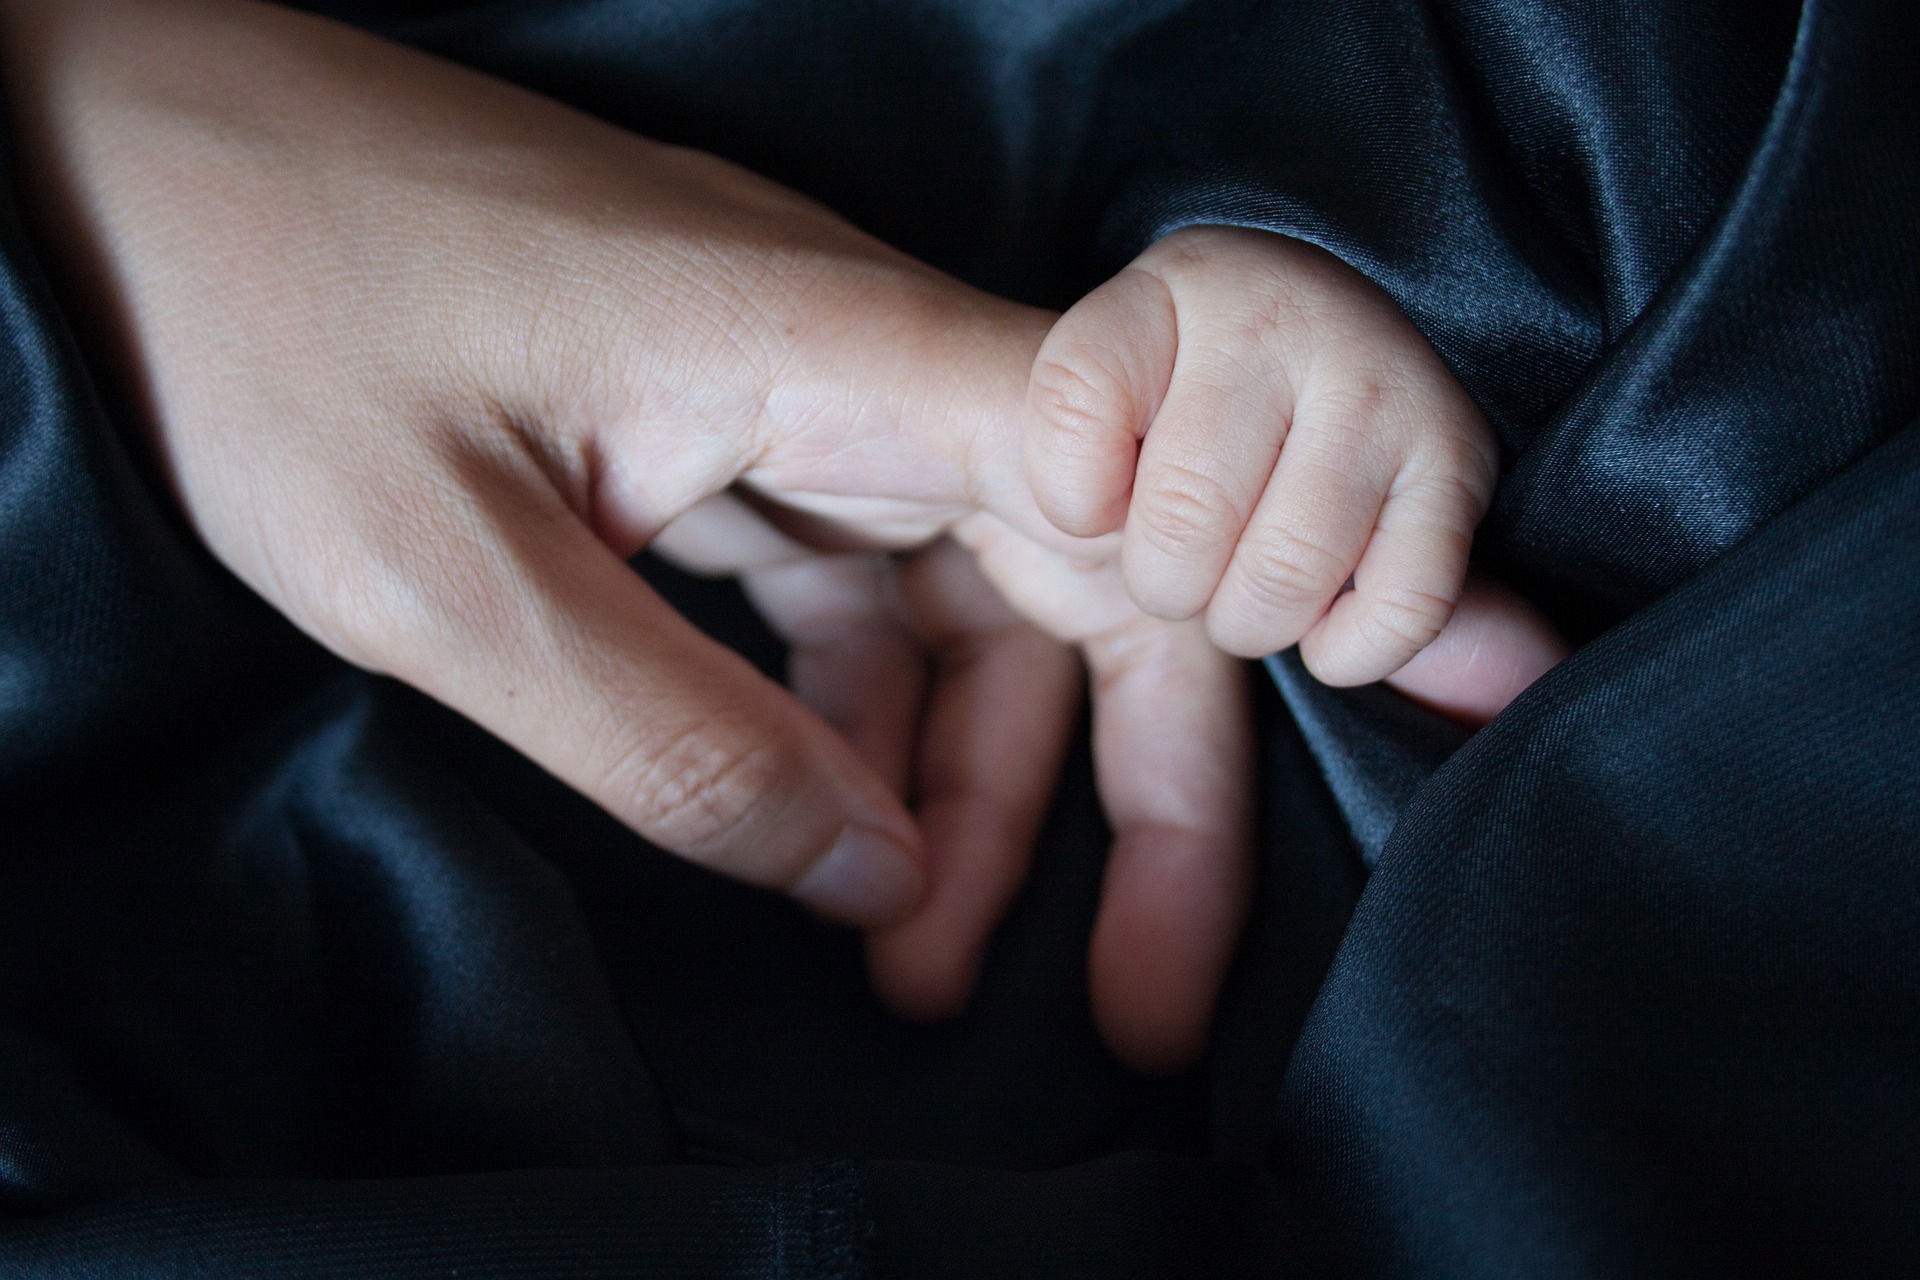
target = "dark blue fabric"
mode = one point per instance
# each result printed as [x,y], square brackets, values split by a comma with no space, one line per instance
[1376,747]
[1632,989]
[300,975]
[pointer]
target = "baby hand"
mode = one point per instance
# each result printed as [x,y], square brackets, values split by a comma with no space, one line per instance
[1266,428]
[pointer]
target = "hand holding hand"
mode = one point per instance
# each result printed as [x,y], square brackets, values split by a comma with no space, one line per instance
[428,358]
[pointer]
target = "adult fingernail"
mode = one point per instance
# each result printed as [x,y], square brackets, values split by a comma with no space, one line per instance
[866,879]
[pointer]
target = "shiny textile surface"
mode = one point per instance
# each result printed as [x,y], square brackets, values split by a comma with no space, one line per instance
[299,975]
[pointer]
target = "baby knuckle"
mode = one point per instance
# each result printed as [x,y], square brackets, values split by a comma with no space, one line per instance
[1461,472]
[1362,393]
[1078,399]
[1405,619]
[1283,572]
[1186,513]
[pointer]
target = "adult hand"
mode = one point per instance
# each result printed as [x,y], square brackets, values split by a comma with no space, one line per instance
[1172,742]
[428,358]
[1173,747]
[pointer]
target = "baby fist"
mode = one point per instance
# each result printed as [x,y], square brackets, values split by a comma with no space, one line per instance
[1266,428]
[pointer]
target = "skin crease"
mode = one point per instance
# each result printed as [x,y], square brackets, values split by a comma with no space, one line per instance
[1267,428]
[427,358]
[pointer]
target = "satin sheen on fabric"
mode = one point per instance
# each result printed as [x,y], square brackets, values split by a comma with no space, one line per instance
[300,975]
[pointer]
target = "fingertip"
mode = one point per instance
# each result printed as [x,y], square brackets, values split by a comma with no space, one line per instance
[1077,513]
[1240,638]
[1340,662]
[867,878]
[925,966]
[1168,926]
[919,978]
[1172,560]
[1147,1040]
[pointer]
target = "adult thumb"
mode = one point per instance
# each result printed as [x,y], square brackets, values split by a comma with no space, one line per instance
[522,620]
